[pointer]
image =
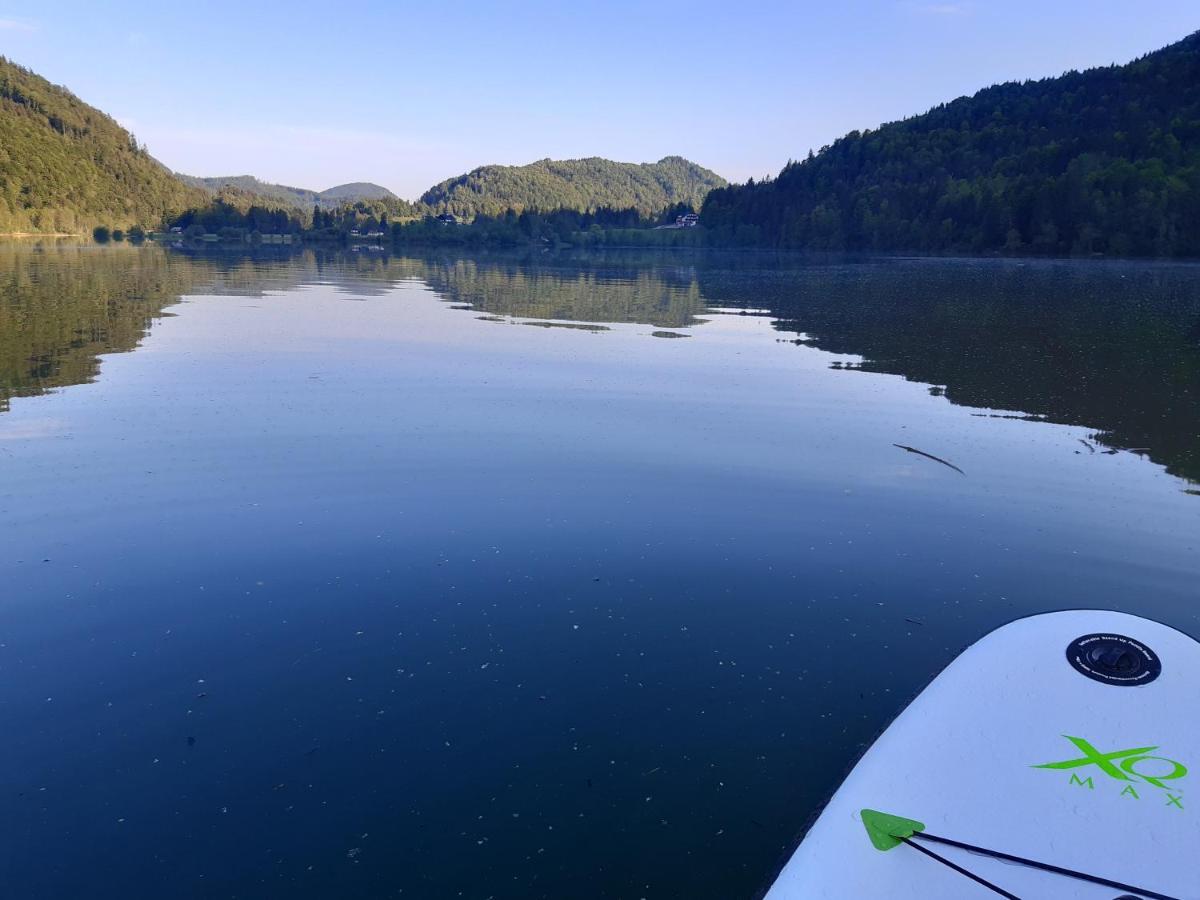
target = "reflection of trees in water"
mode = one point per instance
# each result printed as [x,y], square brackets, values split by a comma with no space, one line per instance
[666,297]
[61,308]
[1107,346]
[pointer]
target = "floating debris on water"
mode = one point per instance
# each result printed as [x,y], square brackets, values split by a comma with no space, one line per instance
[936,459]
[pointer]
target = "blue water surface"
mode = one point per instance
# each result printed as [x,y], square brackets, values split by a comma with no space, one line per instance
[361,575]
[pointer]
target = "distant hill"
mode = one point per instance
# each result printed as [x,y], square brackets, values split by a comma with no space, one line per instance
[247,184]
[281,194]
[582,184]
[357,190]
[66,167]
[1101,161]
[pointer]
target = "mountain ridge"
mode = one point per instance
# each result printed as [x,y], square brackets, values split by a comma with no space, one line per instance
[583,184]
[68,167]
[65,166]
[287,194]
[1106,160]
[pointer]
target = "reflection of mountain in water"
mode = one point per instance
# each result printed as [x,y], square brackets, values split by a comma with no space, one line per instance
[63,307]
[60,309]
[1114,347]
[666,297]
[1110,346]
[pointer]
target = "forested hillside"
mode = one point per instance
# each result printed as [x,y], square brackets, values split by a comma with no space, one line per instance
[283,195]
[1102,161]
[275,194]
[357,190]
[579,184]
[65,166]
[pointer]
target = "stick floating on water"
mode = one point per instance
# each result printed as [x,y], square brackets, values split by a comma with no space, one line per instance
[937,459]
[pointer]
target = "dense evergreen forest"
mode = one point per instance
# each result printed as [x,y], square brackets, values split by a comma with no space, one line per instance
[238,217]
[604,226]
[1102,161]
[575,184]
[66,167]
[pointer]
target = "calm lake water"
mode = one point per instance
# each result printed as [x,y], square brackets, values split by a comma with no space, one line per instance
[330,575]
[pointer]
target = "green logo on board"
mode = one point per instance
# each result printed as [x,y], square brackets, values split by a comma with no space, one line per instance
[1135,766]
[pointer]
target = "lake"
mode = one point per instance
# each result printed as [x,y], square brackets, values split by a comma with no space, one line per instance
[361,575]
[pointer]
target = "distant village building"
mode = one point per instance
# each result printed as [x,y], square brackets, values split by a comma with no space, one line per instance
[691,220]
[447,219]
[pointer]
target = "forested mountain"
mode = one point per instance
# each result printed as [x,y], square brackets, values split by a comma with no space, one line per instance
[1101,161]
[276,194]
[65,166]
[357,190]
[580,184]
[281,194]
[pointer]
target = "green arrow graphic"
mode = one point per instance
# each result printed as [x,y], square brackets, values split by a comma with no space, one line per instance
[885,830]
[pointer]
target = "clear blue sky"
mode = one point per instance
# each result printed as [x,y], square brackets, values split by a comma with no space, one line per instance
[409,93]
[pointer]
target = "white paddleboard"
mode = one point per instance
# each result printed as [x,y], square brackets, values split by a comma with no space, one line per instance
[1063,739]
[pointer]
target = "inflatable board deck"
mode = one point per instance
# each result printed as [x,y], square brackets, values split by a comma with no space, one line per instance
[1051,759]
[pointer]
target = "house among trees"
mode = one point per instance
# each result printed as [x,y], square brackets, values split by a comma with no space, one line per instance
[690,220]
[447,219]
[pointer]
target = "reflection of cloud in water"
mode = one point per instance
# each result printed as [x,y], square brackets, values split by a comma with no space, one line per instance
[31,429]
